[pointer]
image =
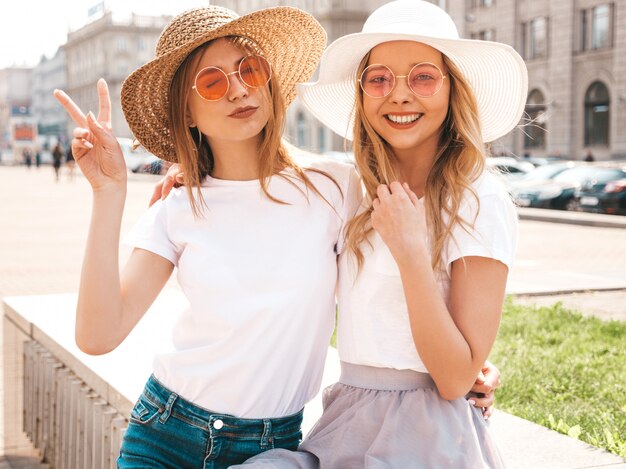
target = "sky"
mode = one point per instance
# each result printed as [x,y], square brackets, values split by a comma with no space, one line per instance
[32,28]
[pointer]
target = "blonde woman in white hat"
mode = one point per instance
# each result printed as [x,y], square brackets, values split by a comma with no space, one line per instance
[422,279]
[254,237]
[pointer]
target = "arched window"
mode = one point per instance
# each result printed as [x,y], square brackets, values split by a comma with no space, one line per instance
[535,131]
[597,107]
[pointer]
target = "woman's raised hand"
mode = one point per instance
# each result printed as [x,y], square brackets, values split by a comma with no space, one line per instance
[399,218]
[95,148]
[173,178]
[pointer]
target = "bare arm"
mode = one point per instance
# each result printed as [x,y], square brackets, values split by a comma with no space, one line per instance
[109,306]
[453,343]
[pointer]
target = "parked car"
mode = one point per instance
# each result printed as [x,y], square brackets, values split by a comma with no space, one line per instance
[152,165]
[543,160]
[604,191]
[551,186]
[136,159]
[510,168]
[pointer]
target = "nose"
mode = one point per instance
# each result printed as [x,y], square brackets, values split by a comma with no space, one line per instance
[237,88]
[401,93]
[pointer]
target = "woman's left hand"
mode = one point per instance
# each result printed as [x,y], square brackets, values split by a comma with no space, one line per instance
[483,391]
[399,218]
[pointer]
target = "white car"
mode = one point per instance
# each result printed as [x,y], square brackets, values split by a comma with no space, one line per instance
[509,167]
[137,158]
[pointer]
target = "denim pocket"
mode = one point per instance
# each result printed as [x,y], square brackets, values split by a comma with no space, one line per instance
[144,411]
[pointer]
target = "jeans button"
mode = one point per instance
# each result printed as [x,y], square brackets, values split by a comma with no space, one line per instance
[218,424]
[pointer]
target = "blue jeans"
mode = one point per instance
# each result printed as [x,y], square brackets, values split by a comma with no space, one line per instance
[166,431]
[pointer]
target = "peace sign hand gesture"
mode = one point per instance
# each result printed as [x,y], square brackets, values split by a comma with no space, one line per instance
[95,148]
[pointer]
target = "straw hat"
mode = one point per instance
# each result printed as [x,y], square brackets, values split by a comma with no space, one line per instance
[290,39]
[496,73]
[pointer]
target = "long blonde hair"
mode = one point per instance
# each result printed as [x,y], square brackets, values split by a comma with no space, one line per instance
[193,150]
[459,161]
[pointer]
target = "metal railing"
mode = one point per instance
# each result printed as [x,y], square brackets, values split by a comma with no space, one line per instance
[67,421]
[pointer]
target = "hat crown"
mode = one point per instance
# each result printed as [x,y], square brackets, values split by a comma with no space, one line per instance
[414,17]
[191,25]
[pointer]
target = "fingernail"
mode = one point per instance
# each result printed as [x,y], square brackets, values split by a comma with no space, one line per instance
[472,401]
[88,145]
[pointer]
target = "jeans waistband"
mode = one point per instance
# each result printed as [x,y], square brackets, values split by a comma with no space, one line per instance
[171,402]
[384,379]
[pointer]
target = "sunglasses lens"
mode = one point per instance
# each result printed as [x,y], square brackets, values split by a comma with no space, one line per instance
[211,83]
[377,81]
[255,71]
[425,79]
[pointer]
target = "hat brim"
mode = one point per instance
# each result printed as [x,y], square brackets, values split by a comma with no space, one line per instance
[291,39]
[495,71]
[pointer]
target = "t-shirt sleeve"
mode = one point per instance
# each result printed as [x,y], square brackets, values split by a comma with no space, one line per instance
[494,232]
[352,198]
[152,233]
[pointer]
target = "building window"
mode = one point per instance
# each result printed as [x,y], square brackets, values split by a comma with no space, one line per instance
[121,44]
[321,139]
[582,32]
[141,44]
[538,38]
[535,131]
[486,35]
[534,38]
[595,30]
[601,27]
[301,131]
[486,3]
[597,107]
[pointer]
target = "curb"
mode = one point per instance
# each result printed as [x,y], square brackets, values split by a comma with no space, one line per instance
[568,292]
[573,218]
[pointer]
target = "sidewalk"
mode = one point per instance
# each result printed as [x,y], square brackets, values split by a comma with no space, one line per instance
[45,225]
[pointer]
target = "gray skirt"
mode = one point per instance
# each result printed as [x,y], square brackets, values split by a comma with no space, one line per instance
[384,418]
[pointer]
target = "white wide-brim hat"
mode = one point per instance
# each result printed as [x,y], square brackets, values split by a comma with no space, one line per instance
[495,71]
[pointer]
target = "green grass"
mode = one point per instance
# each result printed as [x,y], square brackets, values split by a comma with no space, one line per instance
[564,371]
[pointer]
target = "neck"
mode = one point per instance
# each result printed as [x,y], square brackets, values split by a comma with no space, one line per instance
[414,167]
[236,161]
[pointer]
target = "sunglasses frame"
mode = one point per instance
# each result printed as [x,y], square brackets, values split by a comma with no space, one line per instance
[443,77]
[227,75]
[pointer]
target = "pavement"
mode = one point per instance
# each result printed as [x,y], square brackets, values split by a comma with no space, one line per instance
[577,259]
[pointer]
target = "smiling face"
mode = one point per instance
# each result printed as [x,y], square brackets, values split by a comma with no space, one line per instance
[242,113]
[408,123]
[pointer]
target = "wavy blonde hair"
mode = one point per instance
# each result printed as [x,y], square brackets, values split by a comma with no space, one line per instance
[459,161]
[193,150]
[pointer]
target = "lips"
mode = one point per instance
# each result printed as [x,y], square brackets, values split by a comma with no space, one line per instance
[243,112]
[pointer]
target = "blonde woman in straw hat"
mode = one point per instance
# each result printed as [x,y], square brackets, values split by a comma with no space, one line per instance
[254,237]
[423,275]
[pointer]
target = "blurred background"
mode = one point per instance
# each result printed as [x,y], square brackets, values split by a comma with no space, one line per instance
[575,51]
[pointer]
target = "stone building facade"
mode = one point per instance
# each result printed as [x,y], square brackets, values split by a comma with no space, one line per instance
[48,75]
[110,47]
[575,51]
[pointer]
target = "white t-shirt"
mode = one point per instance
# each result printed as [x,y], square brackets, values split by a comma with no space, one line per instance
[373,320]
[260,278]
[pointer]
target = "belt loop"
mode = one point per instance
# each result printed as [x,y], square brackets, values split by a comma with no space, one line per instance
[168,408]
[266,438]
